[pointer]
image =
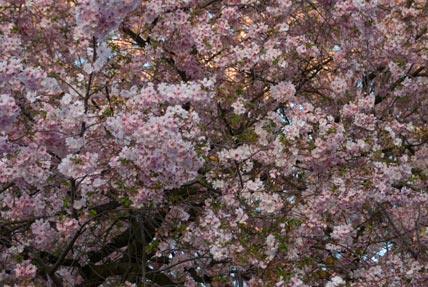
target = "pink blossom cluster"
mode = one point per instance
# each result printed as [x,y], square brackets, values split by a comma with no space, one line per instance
[67,227]
[162,153]
[25,271]
[283,92]
[98,18]
[8,111]
[78,165]
[44,234]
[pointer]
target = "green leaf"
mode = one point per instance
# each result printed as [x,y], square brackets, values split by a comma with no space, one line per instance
[67,183]
[331,131]
[248,137]
[294,222]
[152,246]
[207,43]
[234,118]
[282,247]
[216,204]
[76,159]
[92,213]
[108,112]
[124,161]
[126,202]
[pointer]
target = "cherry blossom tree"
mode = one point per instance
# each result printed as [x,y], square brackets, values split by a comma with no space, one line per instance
[213,143]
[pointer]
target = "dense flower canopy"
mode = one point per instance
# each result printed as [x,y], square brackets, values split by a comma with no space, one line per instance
[213,143]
